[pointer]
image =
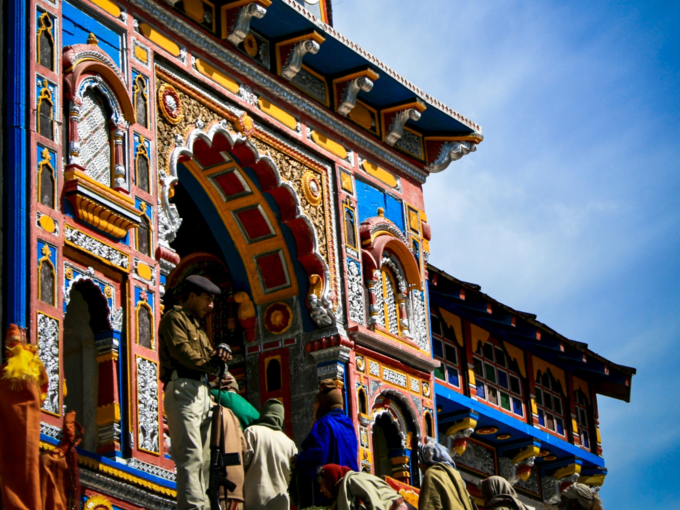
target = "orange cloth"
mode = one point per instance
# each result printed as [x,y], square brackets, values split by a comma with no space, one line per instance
[59,478]
[19,445]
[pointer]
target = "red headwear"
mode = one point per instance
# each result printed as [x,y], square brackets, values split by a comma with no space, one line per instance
[331,475]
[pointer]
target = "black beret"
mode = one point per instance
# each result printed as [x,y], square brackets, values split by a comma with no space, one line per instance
[202,284]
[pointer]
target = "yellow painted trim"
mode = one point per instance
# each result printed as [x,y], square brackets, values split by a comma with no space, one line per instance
[116,473]
[592,480]
[525,453]
[379,173]
[141,84]
[239,3]
[466,423]
[455,322]
[369,73]
[346,207]
[108,414]
[101,189]
[45,95]
[110,356]
[471,376]
[571,469]
[557,373]
[45,27]
[597,435]
[478,334]
[361,115]
[330,145]
[249,251]
[534,407]
[159,39]
[217,76]
[346,181]
[518,355]
[141,54]
[400,460]
[315,36]
[475,137]
[96,502]
[277,113]
[108,6]
[69,243]
[144,271]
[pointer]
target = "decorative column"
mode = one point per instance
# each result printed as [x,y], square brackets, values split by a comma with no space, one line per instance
[119,176]
[74,142]
[108,402]
[331,355]
[374,293]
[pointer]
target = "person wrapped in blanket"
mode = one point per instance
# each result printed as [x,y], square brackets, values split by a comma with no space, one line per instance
[332,440]
[442,487]
[349,490]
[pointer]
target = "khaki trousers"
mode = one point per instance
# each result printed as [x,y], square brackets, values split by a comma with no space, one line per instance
[187,406]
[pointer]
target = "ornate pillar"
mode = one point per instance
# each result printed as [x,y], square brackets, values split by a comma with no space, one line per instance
[459,428]
[331,355]
[108,401]
[119,176]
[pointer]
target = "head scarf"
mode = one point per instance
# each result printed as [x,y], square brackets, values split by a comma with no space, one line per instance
[585,497]
[331,475]
[498,492]
[435,453]
[328,398]
[272,415]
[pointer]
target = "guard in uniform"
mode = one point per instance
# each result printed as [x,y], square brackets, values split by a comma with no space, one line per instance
[187,359]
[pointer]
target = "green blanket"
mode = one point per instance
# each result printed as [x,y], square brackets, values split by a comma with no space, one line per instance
[246,413]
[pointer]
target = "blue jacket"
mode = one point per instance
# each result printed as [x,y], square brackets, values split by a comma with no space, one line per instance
[332,440]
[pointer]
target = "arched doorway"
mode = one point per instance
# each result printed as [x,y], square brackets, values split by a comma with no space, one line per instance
[86,319]
[395,437]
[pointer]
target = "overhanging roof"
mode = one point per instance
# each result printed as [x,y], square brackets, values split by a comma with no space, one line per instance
[524,331]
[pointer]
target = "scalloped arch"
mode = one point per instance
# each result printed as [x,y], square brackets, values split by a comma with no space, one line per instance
[241,148]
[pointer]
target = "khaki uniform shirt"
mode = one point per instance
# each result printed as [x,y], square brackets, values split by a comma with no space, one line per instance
[183,344]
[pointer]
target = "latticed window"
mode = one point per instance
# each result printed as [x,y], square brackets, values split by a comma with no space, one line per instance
[391,307]
[95,137]
[144,236]
[45,42]
[582,417]
[549,403]
[145,326]
[446,351]
[494,380]
[141,101]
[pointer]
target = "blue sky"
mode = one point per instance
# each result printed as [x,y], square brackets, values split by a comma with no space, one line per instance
[569,208]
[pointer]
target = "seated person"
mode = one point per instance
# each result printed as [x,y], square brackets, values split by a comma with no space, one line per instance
[349,490]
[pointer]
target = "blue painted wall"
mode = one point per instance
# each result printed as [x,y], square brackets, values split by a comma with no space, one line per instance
[370,198]
[77,26]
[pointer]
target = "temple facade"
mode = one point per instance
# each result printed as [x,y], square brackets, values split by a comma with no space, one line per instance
[248,141]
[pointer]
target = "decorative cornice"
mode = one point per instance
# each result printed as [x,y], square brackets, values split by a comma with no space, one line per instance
[349,98]
[379,64]
[241,26]
[275,89]
[450,152]
[294,62]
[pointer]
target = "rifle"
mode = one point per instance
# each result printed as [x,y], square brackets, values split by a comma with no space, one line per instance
[219,460]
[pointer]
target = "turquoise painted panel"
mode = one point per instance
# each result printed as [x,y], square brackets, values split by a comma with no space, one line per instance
[77,26]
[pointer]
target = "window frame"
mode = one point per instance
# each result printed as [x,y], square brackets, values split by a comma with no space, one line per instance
[543,408]
[479,355]
[438,336]
[582,407]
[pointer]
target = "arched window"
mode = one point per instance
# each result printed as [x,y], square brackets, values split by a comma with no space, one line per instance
[273,374]
[428,425]
[145,326]
[363,401]
[46,112]
[142,166]
[45,42]
[391,298]
[582,417]
[350,228]
[46,280]
[94,132]
[144,236]
[495,381]
[549,402]
[140,99]
[46,183]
